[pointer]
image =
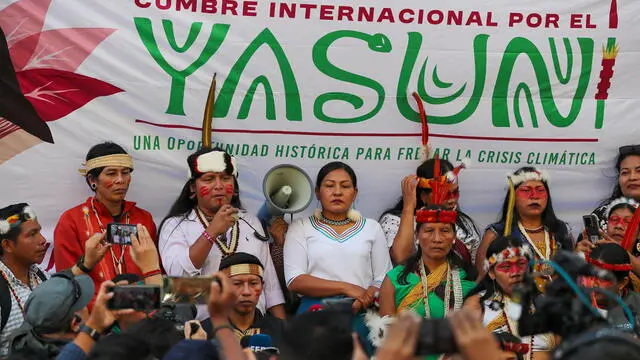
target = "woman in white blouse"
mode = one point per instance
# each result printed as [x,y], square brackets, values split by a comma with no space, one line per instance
[335,253]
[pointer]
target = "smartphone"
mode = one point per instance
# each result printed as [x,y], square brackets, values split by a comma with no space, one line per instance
[137,297]
[187,290]
[591,227]
[120,234]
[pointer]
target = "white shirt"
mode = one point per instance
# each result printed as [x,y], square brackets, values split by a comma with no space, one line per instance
[179,233]
[358,256]
[16,317]
[539,342]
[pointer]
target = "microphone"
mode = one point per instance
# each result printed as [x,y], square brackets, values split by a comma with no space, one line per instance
[259,343]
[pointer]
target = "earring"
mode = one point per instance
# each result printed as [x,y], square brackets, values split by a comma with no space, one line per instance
[94,186]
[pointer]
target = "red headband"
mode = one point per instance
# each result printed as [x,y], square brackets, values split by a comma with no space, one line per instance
[436,216]
[515,348]
[610,267]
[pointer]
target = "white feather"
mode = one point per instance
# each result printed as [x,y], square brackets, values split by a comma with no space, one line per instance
[451,177]
[354,215]
[31,214]
[466,162]
[5,227]
[377,326]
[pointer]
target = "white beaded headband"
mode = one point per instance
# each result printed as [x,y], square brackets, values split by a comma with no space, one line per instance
[518,179]
[15,220]
[505,254]
[620,201]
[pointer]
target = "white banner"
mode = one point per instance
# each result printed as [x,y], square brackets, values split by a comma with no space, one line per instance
[507,83]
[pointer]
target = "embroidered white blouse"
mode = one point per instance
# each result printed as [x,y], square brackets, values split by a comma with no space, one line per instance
[358,256]
[179,233]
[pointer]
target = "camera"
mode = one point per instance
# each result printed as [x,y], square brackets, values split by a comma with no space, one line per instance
[178,314]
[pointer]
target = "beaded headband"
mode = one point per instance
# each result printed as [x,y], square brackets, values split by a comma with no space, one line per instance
[505,254]
[244,269]
[538,175]
[124,160]
[15,220]
[436,216]
[514,180]
[620,201]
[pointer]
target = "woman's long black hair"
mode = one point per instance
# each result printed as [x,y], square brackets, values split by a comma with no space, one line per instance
[549,219]
[411,264]
[186,201]
[425,170]
[487,284]
[623,153]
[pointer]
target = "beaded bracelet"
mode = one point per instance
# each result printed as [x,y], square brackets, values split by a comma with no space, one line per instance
[208,236]
[151,273]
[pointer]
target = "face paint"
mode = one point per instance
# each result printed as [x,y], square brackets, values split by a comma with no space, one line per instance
[228,188]
[204,191]
[109,184]
[453,194]
[526,192]
[512,267]
[616,220]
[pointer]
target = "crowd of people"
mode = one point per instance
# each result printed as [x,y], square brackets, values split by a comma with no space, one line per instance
[334,285]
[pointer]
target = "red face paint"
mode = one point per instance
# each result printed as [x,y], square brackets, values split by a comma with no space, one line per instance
[526,192]
[204,191]
[616,220]
[109,184]
[512,267]
[228,188]
[454,194]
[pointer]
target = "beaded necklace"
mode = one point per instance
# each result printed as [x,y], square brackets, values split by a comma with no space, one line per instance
[328,221]
[221,240]
[513,328]
[453,280]
[30,280]
[119,261]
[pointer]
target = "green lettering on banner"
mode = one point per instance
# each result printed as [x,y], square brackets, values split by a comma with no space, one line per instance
[292,94]
[376,42]
[521,46]
[406,71]
[178,77]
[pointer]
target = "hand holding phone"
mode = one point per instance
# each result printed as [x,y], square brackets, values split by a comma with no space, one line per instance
[137,297]
[120,234]
[591,227]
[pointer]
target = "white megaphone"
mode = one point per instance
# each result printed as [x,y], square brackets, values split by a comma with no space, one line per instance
[287,190]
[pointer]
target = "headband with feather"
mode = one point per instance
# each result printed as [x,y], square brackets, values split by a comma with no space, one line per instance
[441,184]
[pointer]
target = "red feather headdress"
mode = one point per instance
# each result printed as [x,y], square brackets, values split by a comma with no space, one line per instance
[441,184]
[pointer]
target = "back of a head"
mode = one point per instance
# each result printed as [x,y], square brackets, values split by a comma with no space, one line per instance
[121,347]
[610,348]
[159,334]
[612,254]
[318,335]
